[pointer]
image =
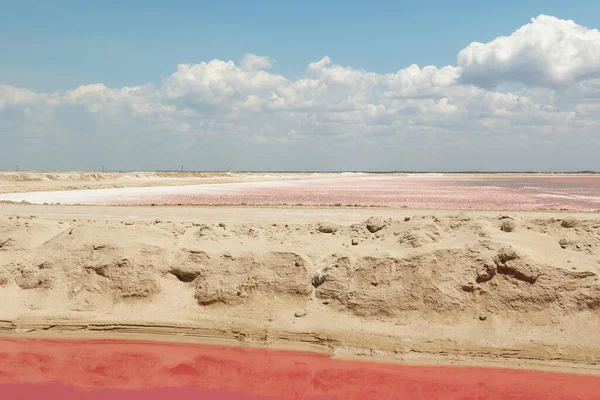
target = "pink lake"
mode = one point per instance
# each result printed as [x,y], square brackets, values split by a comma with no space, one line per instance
[567,192]
[138,370]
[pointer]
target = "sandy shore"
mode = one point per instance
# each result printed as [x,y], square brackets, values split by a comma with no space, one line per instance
[26,182]
[398,284]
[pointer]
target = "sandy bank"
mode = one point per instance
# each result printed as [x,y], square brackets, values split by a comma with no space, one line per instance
[452,284]
[25,182]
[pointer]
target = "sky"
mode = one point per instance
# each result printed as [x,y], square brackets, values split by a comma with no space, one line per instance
[289,85]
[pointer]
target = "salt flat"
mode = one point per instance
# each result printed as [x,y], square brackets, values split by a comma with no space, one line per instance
[480,192]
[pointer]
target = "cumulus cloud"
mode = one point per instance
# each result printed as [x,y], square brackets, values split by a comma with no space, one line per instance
[548,52]
[417,82]
[217,113]
[17,96]
[217,83]
[252,62]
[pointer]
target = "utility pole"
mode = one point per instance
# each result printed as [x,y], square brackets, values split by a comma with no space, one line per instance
[103,169]
[17,168]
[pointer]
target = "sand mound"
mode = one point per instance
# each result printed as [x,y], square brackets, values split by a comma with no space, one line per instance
[34,277]
[20,182]
[374,224]
[448,281]
[327,228]
[230,280]
[190,264]
[124,279]
[437,268]
[508,225]
[452,265]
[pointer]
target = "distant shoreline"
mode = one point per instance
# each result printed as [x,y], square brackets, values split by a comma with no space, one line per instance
[583,172]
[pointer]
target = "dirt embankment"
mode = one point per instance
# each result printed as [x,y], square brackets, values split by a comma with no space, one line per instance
[21,182]
[498,287]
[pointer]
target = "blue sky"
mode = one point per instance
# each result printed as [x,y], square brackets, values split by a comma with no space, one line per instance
[380,85]
[58,45]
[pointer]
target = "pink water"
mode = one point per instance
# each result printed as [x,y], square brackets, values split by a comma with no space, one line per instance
[109,369]
[505,193]
[569,192]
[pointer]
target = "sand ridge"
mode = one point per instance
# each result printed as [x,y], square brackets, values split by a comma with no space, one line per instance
[518,286]
[28,181]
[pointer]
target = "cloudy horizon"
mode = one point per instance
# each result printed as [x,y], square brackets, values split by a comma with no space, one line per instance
[529,100]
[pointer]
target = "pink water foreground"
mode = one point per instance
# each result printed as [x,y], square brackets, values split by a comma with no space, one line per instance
[503,193]
[66,370]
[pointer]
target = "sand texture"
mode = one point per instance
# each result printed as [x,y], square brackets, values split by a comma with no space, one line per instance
[496,286]
[24,182]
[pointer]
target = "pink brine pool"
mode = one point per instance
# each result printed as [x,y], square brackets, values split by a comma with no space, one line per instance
[66,370]
[449,192]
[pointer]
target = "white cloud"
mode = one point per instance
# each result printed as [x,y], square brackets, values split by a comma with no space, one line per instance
[217,83]
[220,111]
[252,62]
[17,96]
[415,82]
[548,52]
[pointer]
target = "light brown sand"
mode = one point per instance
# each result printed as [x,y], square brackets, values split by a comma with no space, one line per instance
[447,285]
[21,182]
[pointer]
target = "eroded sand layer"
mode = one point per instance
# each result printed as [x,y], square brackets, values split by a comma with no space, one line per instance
[483,285]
